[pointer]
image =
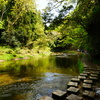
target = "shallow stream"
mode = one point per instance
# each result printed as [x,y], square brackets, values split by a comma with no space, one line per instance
[29,79]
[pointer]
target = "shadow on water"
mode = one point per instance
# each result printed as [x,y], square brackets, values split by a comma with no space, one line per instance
[32,78]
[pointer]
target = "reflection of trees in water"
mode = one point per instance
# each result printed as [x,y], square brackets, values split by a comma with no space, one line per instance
[35,67]
[66,62]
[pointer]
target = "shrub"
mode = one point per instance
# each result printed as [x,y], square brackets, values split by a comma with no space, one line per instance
[80,66]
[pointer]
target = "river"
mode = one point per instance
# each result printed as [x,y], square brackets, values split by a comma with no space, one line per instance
[29,79]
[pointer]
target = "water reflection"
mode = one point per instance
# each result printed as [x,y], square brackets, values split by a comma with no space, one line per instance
[32,78]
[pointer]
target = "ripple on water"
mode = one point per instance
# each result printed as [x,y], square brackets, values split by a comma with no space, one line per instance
[35,89]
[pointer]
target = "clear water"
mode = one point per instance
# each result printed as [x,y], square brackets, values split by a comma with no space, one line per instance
[29,79]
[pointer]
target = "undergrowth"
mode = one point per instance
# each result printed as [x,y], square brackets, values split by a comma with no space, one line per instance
[80,66]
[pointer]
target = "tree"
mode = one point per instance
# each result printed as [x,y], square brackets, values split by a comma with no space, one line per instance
[21,21]
[86,15]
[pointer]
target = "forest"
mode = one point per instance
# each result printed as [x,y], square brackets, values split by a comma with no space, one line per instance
[24,30]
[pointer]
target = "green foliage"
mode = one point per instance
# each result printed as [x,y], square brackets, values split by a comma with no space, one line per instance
[8,53]
[82,55]
[87,14]
[72,30]
[22,23]
[97,62]
[4,50]
[80,66]
[1,25]
[6,57]
[79,29]
[21,26]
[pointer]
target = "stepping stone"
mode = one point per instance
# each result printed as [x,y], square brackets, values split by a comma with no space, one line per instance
[98,69]
[95,72]
[93,78]
[73,97]
[59,95]
[74,84]
[83,74]
[88,81]
[45,98]
[73,90]
[86,72]
[81,77]
[92,69]
[87,86]
[89,68]
[94,75]
[75,80]
[90,94]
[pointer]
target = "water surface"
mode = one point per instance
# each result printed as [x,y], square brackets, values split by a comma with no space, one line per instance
[29,79]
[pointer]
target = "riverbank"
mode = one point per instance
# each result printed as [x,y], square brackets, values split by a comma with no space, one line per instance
[45,75]
[7,53]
